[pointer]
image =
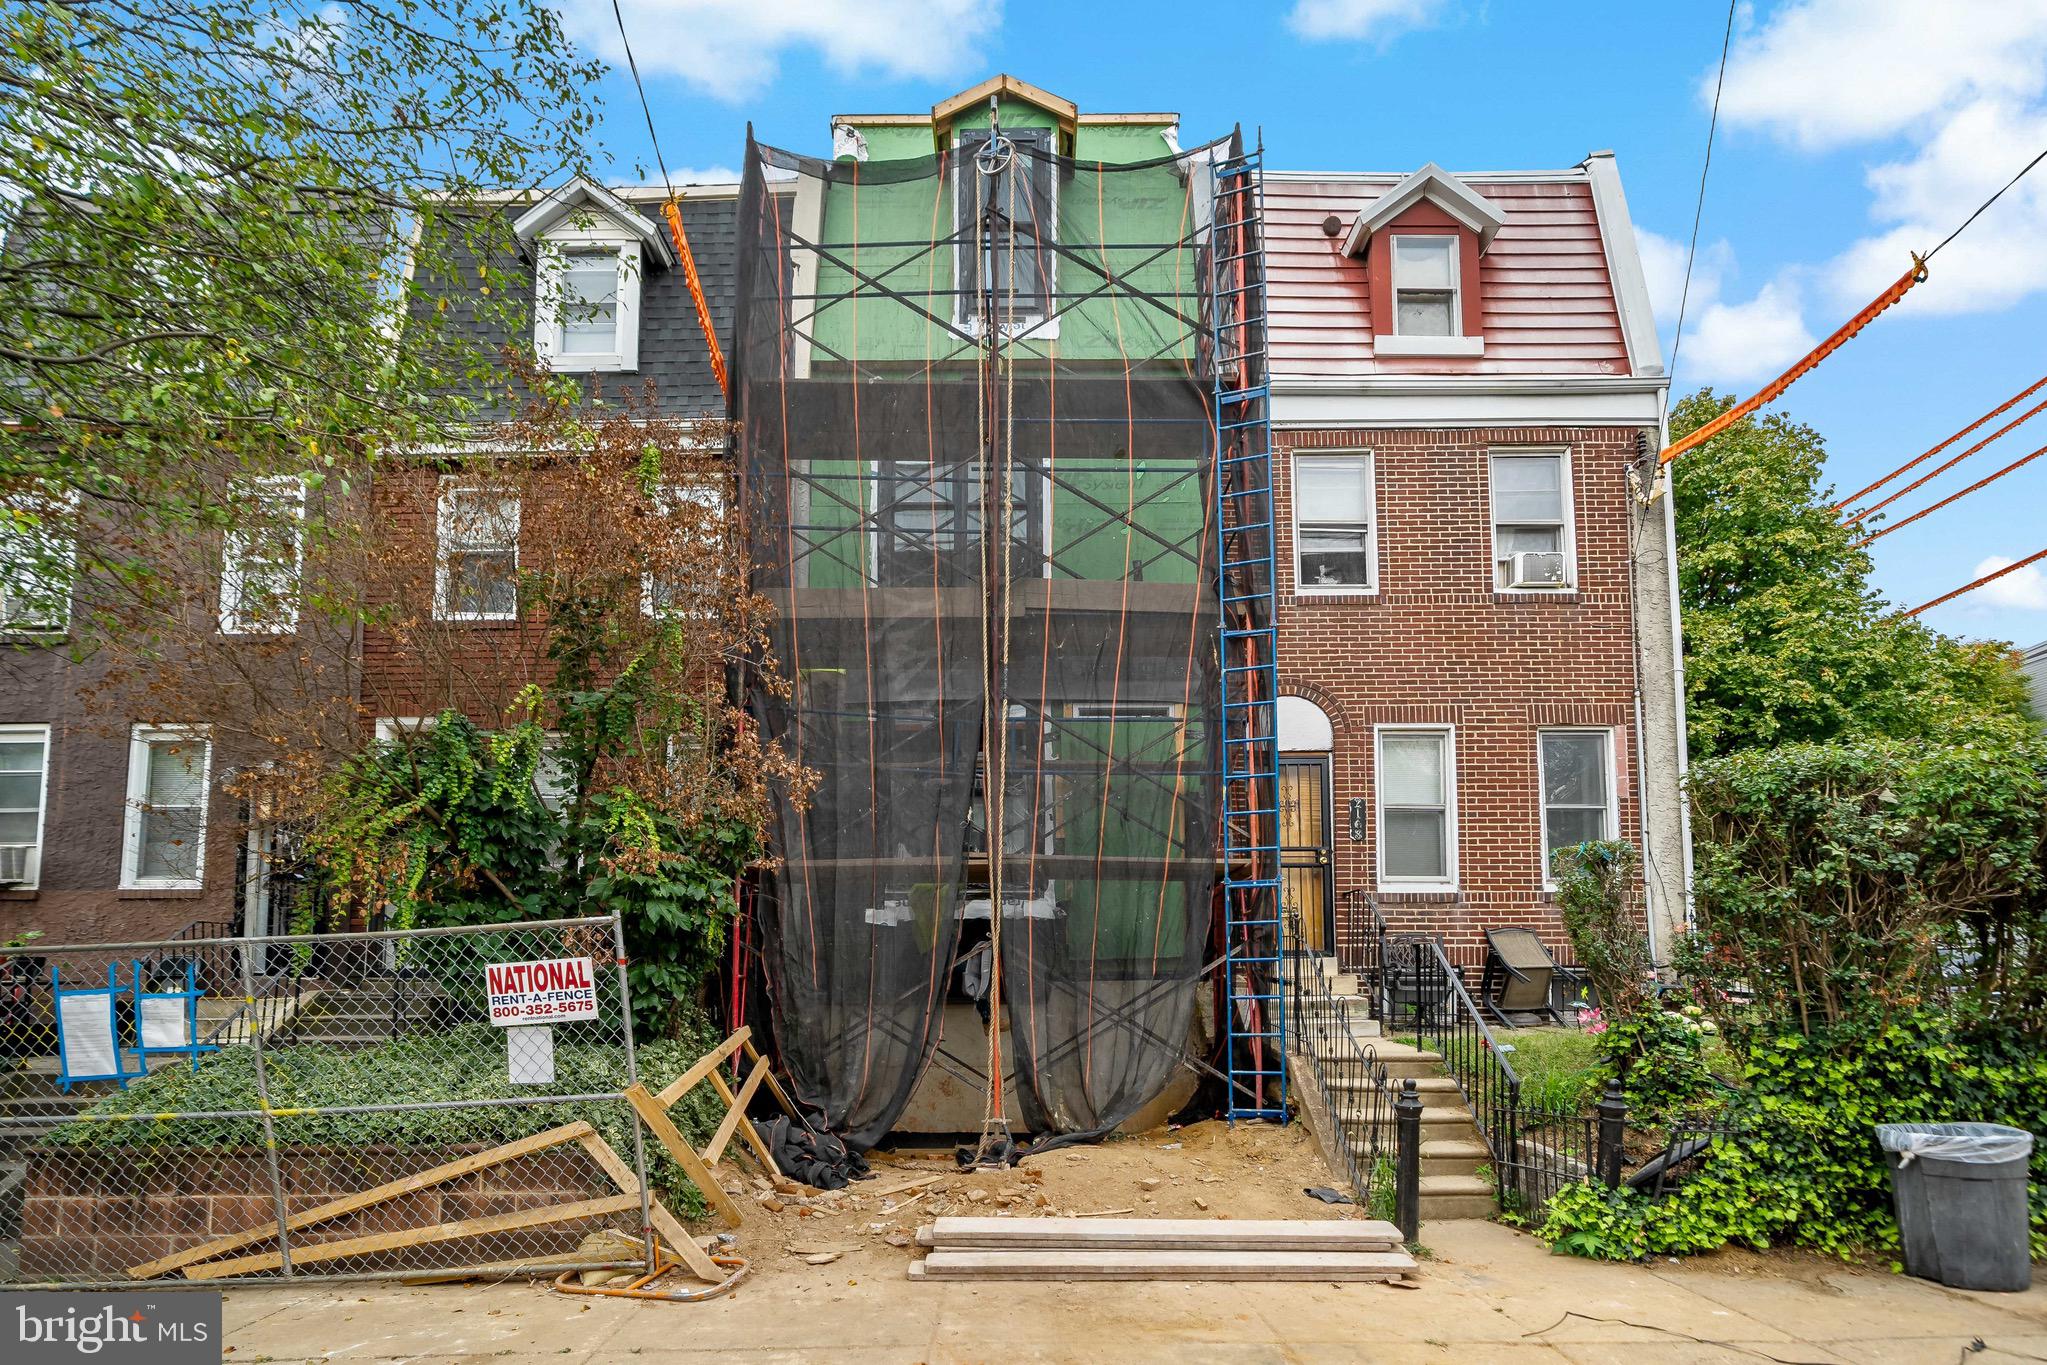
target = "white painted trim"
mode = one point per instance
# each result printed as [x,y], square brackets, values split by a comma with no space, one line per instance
[1366,179]
[1371,471]
[1624,265]
[1569,493]
[965,315]
[1440,188]
[449,488]
[1677,654]
[1442,402]
[231,570]
[390,729]
[1396,344]
[1611,830]
[807,219]
[551,262]
[34,869]
[140,737]
[1422,885]
[596,202]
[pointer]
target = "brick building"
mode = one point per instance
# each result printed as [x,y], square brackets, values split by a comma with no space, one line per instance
[1477,640]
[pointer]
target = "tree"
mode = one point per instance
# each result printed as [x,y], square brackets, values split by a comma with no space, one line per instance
[1784,639]
[214,214]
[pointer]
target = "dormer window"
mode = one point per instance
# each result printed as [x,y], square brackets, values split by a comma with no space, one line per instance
[591,250]
[586,318]
[1425,301]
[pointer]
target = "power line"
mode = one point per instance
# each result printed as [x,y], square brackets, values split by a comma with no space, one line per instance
[645,108]
[2016,422]
[1986,578]
[1684,298]
[1927,511]
[1988,202]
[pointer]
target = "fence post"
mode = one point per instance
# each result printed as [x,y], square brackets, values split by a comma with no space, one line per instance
[1613,1124]
[1407,1161]
[632,1078]
[276,1172]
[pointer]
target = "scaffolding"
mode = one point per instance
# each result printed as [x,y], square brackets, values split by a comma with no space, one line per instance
[1005,470]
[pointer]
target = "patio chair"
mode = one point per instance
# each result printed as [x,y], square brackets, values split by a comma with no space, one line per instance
[1518,973]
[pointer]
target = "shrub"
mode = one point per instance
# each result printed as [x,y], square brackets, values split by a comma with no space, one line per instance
[1596,886]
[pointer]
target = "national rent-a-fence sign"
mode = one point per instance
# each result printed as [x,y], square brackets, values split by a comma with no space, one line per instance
[556,990]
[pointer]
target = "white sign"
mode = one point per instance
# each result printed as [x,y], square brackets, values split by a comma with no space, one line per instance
[558,990]
[529,1054]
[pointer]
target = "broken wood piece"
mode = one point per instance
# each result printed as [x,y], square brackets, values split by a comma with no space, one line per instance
[664,1223]
[1103,1213]
[900,1187]
[421,1236]
[477,1161]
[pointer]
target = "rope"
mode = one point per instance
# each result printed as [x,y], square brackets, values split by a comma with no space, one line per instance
[1927,511]
[1684,299]
[1769,392]
[1997,411]
[1924,479]
[1988,202]
[2033,558]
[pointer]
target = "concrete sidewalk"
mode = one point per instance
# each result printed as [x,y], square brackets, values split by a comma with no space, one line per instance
[1489,1294]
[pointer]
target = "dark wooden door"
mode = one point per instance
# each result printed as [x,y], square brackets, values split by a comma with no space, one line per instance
[1304,849]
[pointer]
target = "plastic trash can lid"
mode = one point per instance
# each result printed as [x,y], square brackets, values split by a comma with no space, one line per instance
[1976,1143]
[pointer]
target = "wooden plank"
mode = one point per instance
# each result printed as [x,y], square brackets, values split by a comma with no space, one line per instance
[1164,1265]
[900,1187]
[1161,1234]
[747,1129]
[673,1232]
[655,1115]
[704,1066]
[420,1236]
[774,1085]
[496,1156]
[735,1112]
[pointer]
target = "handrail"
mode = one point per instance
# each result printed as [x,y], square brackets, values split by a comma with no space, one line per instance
[1446,1016]
[1353,1081]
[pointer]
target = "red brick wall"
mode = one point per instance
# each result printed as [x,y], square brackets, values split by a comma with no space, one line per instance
[1437,645]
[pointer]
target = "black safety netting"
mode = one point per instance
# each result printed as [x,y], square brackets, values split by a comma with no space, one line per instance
[977,454]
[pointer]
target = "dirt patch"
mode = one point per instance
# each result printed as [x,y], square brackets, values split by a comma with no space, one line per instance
[1203,1170]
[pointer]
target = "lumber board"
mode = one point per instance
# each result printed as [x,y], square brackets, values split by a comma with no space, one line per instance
[1161,1234]
[674,1233]
[704,1066]
[735,1112]
[746,1129]
[1163,1265]
[476,1161]
[753,1054]
[419,1236]
[655,1115]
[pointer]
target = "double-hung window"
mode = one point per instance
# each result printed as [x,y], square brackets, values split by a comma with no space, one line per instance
[681,580]
[1577,790]
[164,837]
[262,557]
[1008,223]
[36,562]
[1425,286]
[1417,789]
[1532,544]
[24,790]
[476,576]
[1335,531]
[586,314]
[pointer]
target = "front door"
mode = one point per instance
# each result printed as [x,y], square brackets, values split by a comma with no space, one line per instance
[1304,849]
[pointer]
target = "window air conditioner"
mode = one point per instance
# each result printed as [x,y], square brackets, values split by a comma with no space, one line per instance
[14,863]
[1535,569]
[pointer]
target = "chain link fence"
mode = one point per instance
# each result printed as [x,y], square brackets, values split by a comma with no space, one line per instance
[403,1104]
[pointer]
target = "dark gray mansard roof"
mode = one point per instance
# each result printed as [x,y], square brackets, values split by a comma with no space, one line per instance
[672,350]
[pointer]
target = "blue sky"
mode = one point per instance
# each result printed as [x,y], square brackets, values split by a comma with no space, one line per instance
[1851,130]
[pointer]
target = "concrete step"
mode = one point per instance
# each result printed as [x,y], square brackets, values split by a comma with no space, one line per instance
[1425,1086]
[1456,1196]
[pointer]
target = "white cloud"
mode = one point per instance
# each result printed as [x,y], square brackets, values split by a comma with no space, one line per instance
[732,48]
[1964,87]
[2024,590]
[1322,20]
[1739,342]
[1663,262]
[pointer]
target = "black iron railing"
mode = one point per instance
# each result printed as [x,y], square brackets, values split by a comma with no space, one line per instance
[1347,1070]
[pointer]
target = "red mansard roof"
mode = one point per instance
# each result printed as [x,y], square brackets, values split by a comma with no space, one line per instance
[1548,301]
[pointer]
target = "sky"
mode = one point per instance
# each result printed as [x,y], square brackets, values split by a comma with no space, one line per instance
[1851,133]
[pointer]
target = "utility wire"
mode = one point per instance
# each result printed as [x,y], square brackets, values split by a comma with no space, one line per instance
[1963,493]
[2033,558]
[645,108]
[1684,298]
[1988,202]
[2016,422]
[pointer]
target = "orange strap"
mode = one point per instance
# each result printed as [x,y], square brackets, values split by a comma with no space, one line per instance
[1986,578]
[673,214]
[1768,393]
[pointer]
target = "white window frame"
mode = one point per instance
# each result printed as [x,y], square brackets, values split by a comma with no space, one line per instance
[234,551]
[551,260]
[60,624]
[140,738]
[33,872]
[966,313]
[667,498]
[1302,587]
[1611,829]
[1397,342]
[1567,492]
[1397,885]
[392,729]
[444,502]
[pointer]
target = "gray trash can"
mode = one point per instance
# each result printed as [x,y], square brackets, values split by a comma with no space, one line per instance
[1960,1193]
